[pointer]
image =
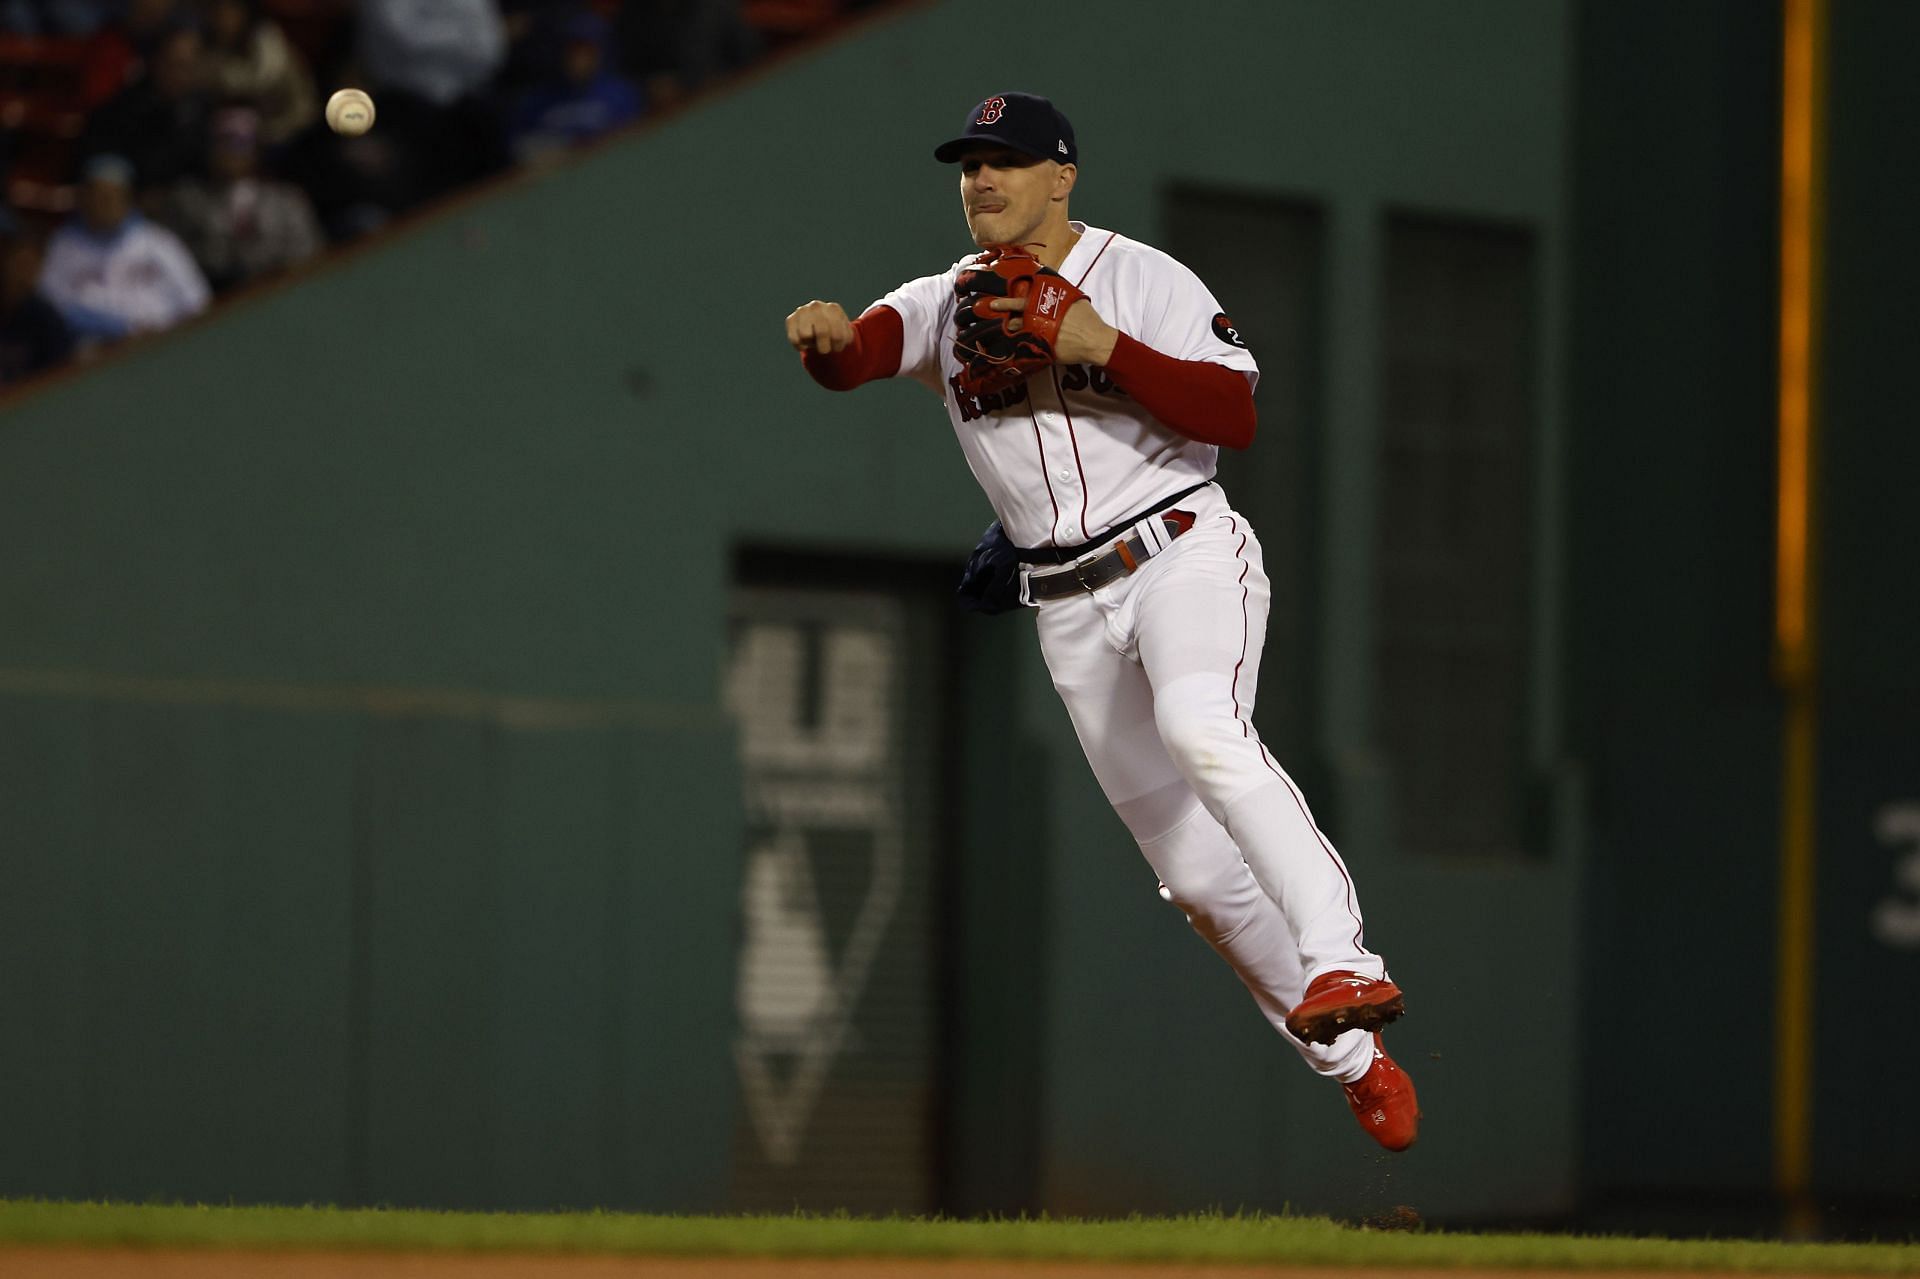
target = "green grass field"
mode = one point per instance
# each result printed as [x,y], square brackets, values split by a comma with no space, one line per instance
[1247,1239]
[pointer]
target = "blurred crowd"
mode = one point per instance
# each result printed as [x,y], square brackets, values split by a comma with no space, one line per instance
[160,153]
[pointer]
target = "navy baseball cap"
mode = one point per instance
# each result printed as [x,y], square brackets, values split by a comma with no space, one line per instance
[1024,121]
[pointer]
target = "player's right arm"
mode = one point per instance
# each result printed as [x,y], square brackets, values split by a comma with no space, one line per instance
[907,333]
[841,354]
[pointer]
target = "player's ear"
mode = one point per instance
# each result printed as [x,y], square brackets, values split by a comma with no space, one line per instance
[1064,176]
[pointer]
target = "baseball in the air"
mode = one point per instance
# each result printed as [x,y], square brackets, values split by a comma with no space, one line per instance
[350,111]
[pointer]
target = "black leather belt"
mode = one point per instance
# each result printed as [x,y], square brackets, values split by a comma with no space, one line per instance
[1068,554]
[1127,555]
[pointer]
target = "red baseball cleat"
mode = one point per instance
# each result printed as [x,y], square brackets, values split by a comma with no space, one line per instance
[1340,1001]
[1383,1101]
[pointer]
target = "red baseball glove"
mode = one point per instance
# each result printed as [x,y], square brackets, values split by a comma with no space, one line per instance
[998,349]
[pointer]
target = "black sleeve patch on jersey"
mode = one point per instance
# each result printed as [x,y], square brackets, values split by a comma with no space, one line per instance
[1224,330]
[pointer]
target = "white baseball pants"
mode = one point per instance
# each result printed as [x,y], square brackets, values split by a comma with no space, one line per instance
[1158,672]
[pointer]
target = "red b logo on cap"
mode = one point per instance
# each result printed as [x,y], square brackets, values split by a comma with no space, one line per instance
[991,110]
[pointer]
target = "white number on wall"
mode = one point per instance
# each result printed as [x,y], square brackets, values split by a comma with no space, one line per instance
[1896,917]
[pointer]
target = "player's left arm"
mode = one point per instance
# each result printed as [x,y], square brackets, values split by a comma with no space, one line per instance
[1201,400]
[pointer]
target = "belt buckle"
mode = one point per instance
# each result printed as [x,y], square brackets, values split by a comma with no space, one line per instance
[1080,577]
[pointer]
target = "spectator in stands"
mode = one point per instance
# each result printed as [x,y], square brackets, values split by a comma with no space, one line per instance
[159,121]
[357,185]
[674,47]
[239,225]
[145,24]
[440,51]
[110,271]
[583,100]
[248,56]
[431,63]
[33,337]
[118,35]
[54,17]
[533,43]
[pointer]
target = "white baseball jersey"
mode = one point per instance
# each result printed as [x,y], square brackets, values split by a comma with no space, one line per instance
[1067,454]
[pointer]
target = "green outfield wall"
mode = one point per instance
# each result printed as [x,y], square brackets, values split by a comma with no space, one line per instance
[372,827]
[371,815]
[1869,799]
[1676,712]
[1673,403]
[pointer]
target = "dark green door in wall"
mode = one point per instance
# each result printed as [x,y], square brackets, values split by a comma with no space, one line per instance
[836,997]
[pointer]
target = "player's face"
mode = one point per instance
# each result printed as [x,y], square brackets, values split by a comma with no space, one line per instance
[1008,194]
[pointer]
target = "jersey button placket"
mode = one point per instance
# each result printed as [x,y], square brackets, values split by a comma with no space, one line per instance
[1066,479]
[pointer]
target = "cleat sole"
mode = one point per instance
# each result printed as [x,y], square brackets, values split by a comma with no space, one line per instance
[1327,1026]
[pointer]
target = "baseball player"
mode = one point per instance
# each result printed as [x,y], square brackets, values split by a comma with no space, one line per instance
[1092,380]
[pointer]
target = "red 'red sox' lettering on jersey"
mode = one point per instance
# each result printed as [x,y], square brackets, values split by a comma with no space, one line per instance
[1079,377]
[1073,377]
[1079,461]
[973,407]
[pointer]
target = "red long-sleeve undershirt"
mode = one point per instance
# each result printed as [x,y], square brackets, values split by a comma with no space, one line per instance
[1206,402]
[879,339]
[1210,403]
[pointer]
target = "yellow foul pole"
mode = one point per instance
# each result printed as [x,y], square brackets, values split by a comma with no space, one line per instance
[1802,121]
